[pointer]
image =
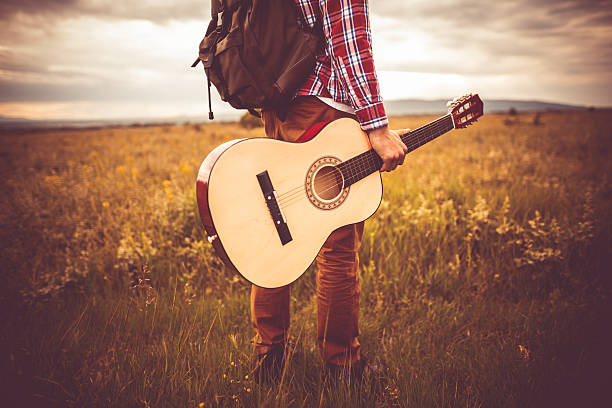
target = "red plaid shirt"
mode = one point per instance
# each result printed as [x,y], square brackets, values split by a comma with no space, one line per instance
[345,69]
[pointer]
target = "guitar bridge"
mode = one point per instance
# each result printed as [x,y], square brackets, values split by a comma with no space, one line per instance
[277,215]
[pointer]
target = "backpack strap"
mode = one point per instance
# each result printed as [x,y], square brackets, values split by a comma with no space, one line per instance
[217,8]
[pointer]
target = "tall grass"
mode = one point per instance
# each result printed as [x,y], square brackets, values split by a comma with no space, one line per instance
[485,274]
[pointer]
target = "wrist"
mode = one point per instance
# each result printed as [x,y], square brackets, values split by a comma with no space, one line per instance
[378,132]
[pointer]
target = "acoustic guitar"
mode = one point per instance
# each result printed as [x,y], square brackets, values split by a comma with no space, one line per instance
[268,205]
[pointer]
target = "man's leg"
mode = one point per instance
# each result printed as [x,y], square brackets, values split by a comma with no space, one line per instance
[270,317]
[338,292]
[337,262]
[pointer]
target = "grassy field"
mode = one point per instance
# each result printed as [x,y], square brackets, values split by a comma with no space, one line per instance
[485,274]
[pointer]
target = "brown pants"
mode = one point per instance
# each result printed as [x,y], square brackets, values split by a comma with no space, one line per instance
[338,285]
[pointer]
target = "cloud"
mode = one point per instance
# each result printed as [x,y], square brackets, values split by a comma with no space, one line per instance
[567,43]
[158,11]
[138,53]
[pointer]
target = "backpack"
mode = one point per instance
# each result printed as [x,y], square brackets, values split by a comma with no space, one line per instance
[257,53]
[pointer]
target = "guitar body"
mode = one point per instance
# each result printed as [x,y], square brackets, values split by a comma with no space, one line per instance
[268,206]
[239,222]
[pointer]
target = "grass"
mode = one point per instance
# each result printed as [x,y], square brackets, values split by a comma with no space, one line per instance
[485,274]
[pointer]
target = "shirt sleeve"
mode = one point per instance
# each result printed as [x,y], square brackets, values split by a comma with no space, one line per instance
[347,28]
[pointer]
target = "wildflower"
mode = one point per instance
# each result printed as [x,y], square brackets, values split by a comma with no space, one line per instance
[167,188]
[201,404]
[480,213]
[185,168]
[120,169]
[525,352]
[105,204]
[53,180]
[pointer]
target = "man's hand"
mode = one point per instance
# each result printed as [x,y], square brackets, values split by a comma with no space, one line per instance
[389,146]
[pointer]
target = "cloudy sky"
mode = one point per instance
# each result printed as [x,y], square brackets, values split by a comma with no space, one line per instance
[90,59]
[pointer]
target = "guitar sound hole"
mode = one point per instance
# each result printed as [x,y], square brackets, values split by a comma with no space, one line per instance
[328,183]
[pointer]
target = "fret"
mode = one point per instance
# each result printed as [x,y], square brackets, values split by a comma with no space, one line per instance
[366,163]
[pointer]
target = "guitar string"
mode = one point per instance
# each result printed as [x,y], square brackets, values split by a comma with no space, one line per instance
[356,170]
[298,197]
[356,166]
[330,181]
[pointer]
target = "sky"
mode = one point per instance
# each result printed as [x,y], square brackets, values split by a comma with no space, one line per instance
[105,59]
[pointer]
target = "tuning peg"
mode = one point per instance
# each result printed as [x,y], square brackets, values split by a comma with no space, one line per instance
[453,103]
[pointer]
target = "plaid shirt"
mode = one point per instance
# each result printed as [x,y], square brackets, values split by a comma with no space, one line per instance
[345,69]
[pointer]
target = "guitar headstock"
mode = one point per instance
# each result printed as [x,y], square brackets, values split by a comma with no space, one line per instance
[466,110]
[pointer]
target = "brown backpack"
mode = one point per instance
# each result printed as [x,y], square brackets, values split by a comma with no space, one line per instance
[256,52]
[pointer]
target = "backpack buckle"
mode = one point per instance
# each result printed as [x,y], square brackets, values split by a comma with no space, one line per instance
[219,21]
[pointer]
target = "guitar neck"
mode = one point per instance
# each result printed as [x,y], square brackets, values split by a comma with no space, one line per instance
[369,162]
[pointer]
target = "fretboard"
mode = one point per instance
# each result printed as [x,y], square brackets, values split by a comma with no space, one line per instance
[368,162]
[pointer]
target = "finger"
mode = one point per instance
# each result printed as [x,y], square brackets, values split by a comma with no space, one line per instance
[402,132]
[394,163]
[384,166]
[402,145]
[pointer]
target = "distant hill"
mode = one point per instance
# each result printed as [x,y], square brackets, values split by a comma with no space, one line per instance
[417,106]
[7,119]
[394,108]
[21,123]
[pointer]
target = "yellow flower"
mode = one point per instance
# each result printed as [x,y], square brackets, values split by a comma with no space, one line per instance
[53,180]
[524,351]
[105,204]
[185,168]
[201,404]
[166,183]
